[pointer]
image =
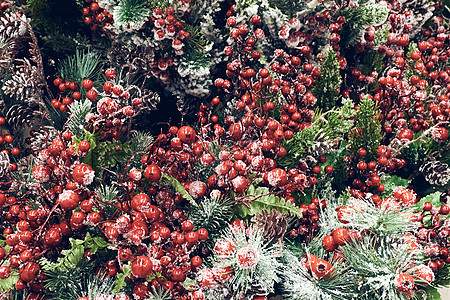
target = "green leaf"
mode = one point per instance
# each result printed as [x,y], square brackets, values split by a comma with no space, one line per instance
[167,179]
[120,283]
[257,203]
[432,293]
[9,283]
[432,198]
[391,182]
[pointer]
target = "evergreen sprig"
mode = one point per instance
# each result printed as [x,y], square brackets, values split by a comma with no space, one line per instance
[132,12]
[377,260]
[212,214]
[367,132]
[264,274]
[82,65]
[299,284]
[326,87]
[78,113]
[357,19]
[324,128]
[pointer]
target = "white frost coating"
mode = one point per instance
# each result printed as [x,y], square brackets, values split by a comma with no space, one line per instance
[215,194]
[238,183]
[247,258]
[274,179]
[223,247]
[87,173]
[257,162]
[66,195]
[439,135]
[197,189]
[135,175]
[41,174]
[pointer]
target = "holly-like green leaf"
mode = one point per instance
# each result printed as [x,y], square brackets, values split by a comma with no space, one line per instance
[432,198]
[257,203]
[167,179]
[391,182]
[120,283]
[8,284]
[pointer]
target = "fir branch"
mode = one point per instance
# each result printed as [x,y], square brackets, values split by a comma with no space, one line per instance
[263,274]
[363,215]
[78,112]
[80,66]
[377,260]
[333,124]
[212,214]
[326,87]
[107,194]
[357,19]
[132,13]
[140,141]
[367,132]
[299,284]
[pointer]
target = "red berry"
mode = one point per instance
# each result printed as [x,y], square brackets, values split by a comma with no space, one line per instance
[84,146]
[83,174]
[186,134]
[29,271]
[68,200]
[329,244]
[87,84]
[152,173]
[341,236]
[141,267]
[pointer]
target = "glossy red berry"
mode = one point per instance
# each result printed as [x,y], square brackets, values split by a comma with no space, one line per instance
[87,84]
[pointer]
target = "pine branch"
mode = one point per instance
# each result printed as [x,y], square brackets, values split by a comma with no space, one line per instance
[212,214]
[326,87]
[78,112]
[367,132]
[80,66]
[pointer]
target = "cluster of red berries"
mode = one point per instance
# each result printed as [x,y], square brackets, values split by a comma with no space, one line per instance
[96,17]
[166,27]
[308,224]
[7,139]
[115,106]
[67,94]
[60,184]
[434,233]
[364,174]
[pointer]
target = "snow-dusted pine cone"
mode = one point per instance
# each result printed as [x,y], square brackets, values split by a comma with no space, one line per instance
[13,25]
[138,58]
[22,114]
[273,224]
[24,83]
[43,136]
[4,163]
[435,172]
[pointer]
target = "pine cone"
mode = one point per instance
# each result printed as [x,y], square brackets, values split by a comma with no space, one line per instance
[24,83]
[256,290]
[13,25]
[137,59]
[19,115]
[273,224]
[187,106]
[4,164]
[322,145]
[42,137]
[435,172]
[150,100]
